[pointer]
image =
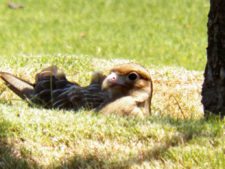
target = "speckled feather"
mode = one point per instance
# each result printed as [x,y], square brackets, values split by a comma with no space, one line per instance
[52,90]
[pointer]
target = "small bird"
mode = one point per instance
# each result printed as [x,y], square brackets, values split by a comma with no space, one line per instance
[129,88]
[52,90]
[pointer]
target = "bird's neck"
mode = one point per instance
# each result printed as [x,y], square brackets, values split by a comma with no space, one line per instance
[116,93]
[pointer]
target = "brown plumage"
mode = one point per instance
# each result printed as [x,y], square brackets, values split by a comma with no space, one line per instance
[129,88]
[52,90]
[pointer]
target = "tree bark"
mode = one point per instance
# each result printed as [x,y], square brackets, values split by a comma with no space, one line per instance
[213,90]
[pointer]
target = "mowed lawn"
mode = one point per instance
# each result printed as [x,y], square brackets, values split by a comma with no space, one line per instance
[167,37]
[154,32]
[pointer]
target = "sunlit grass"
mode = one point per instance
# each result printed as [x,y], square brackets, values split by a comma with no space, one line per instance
[155,32]
[84,36]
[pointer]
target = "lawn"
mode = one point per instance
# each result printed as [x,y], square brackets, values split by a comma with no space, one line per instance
[154,32]
[167,37]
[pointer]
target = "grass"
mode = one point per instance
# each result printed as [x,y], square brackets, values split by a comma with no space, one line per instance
[155,32]
[175,136]
[168,37]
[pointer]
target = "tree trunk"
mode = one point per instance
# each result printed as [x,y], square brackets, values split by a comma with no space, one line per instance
[213,91]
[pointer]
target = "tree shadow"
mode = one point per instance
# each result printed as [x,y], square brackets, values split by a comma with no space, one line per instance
[10,158]
[187,129]
[93,161]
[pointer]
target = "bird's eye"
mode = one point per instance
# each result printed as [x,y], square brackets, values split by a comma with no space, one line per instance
[133,76]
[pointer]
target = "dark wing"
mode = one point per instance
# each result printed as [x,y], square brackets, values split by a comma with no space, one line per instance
[53,90]
[77,97]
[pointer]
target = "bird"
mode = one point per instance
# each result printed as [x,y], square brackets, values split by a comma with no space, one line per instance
[52,90]
[129,87]
[127,90]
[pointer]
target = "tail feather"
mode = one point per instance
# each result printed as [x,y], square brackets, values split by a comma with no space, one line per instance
[22,88]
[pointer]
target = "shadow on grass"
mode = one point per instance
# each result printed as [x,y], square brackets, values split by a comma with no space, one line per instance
[9,157]
[187,129]
[92,161]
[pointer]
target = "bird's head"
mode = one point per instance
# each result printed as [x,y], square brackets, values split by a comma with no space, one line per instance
[125,79]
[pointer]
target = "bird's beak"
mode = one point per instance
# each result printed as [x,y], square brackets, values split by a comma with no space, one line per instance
[111,80]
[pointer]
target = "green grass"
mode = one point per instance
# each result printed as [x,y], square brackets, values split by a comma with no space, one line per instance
[154,32]
[76,36]
[56,139]
[175,136]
